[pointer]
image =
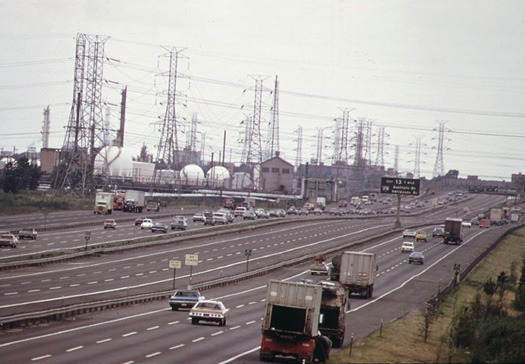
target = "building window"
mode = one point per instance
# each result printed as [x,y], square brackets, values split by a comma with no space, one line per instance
[286,171]
[266,169]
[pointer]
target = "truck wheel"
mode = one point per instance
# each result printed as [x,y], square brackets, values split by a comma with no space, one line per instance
[223,322]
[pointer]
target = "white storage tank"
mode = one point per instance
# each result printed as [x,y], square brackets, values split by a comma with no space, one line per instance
[192,175]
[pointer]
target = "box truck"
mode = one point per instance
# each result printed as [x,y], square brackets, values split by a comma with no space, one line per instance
[355,271]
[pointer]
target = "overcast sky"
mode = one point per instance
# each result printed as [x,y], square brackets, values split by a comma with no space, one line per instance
[404,65]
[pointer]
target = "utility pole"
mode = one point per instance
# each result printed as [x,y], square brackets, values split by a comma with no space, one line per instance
[168,147]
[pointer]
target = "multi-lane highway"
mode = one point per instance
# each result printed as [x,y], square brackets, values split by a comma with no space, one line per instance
[152,333]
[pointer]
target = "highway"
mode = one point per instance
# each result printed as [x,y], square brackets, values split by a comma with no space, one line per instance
[153,333]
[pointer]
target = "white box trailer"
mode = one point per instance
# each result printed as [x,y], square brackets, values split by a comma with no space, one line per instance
[356,271]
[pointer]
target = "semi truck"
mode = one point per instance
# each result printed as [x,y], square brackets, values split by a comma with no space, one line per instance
[495,216]
[104,203]
[118,202]
[135,201]
[333,306]
[452,232]
[291,323]
[355,271]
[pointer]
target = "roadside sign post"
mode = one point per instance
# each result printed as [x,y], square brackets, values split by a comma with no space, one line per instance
[192,260]
[247,253]
[174,264]
[399,186]
[87,236]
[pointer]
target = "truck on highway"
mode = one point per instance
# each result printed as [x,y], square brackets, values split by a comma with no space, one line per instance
[135,201]
[514,217]
[291,323]
[355,271]
[153,206]
[320,202]
[453,232]
[104,203]
[118,202]
[495,216]
[333,306]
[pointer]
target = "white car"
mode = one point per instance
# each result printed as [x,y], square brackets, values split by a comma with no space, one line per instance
[146,224]
[409,233]
[210,311]
[407,246]
[466,224]
[220,218]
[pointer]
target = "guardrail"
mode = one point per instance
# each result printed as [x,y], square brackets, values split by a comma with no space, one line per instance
[24,319]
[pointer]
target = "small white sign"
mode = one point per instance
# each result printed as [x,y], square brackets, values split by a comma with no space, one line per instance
[192,259]
[175,264]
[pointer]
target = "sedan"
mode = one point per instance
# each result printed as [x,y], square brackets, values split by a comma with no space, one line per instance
[159,227]
[466,224]
[249,215]
[179,222]
[416,257]
[185,299]
[320,268]
[407,246]
[199,216]
[211,311]
[409,233]
[110,224]
[439,231]
[421,235]
[146,224]
[138,221]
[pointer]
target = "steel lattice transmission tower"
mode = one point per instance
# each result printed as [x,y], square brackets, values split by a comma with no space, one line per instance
[359,144]
[439,165]
[337,141]
[319,151]
[274,134]
[254,154]
[168,147]
[85,131]
[396,160]
[380,157]
[368,142]
[417,162]
[246,138]
[343,140]
[299,146]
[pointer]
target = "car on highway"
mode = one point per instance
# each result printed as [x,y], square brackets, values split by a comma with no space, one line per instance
[29,233]
[146,224]
[220,218]
[185,298]
[438,231]
[292,210]
[8,239]
[239,211]
[409,233]
[319,269]
[407,246]
[110,224]
[306,281]
[138,221]
[303,211]
[208,218]
[421,235]
[273,213]
[466,224]
[416,257]
[318,211]
[484,223]
[209,311]
[229,214]
[159,227]
[262,214]
[179,223]
[198,217]
[249,215]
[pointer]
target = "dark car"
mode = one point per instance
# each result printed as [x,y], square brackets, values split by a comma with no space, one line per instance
[159,227]
[185,299]
[138,221]
[416,257]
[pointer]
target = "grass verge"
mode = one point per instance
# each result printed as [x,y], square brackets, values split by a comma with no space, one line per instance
[403,339]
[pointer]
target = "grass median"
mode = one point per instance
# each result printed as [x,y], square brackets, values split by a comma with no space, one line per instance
[403,339]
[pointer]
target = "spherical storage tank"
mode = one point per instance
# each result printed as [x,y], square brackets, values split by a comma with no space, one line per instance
[218,176]
[192,175]
[114,161]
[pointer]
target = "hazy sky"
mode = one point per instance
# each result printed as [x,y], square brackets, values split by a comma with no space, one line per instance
[404,65]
